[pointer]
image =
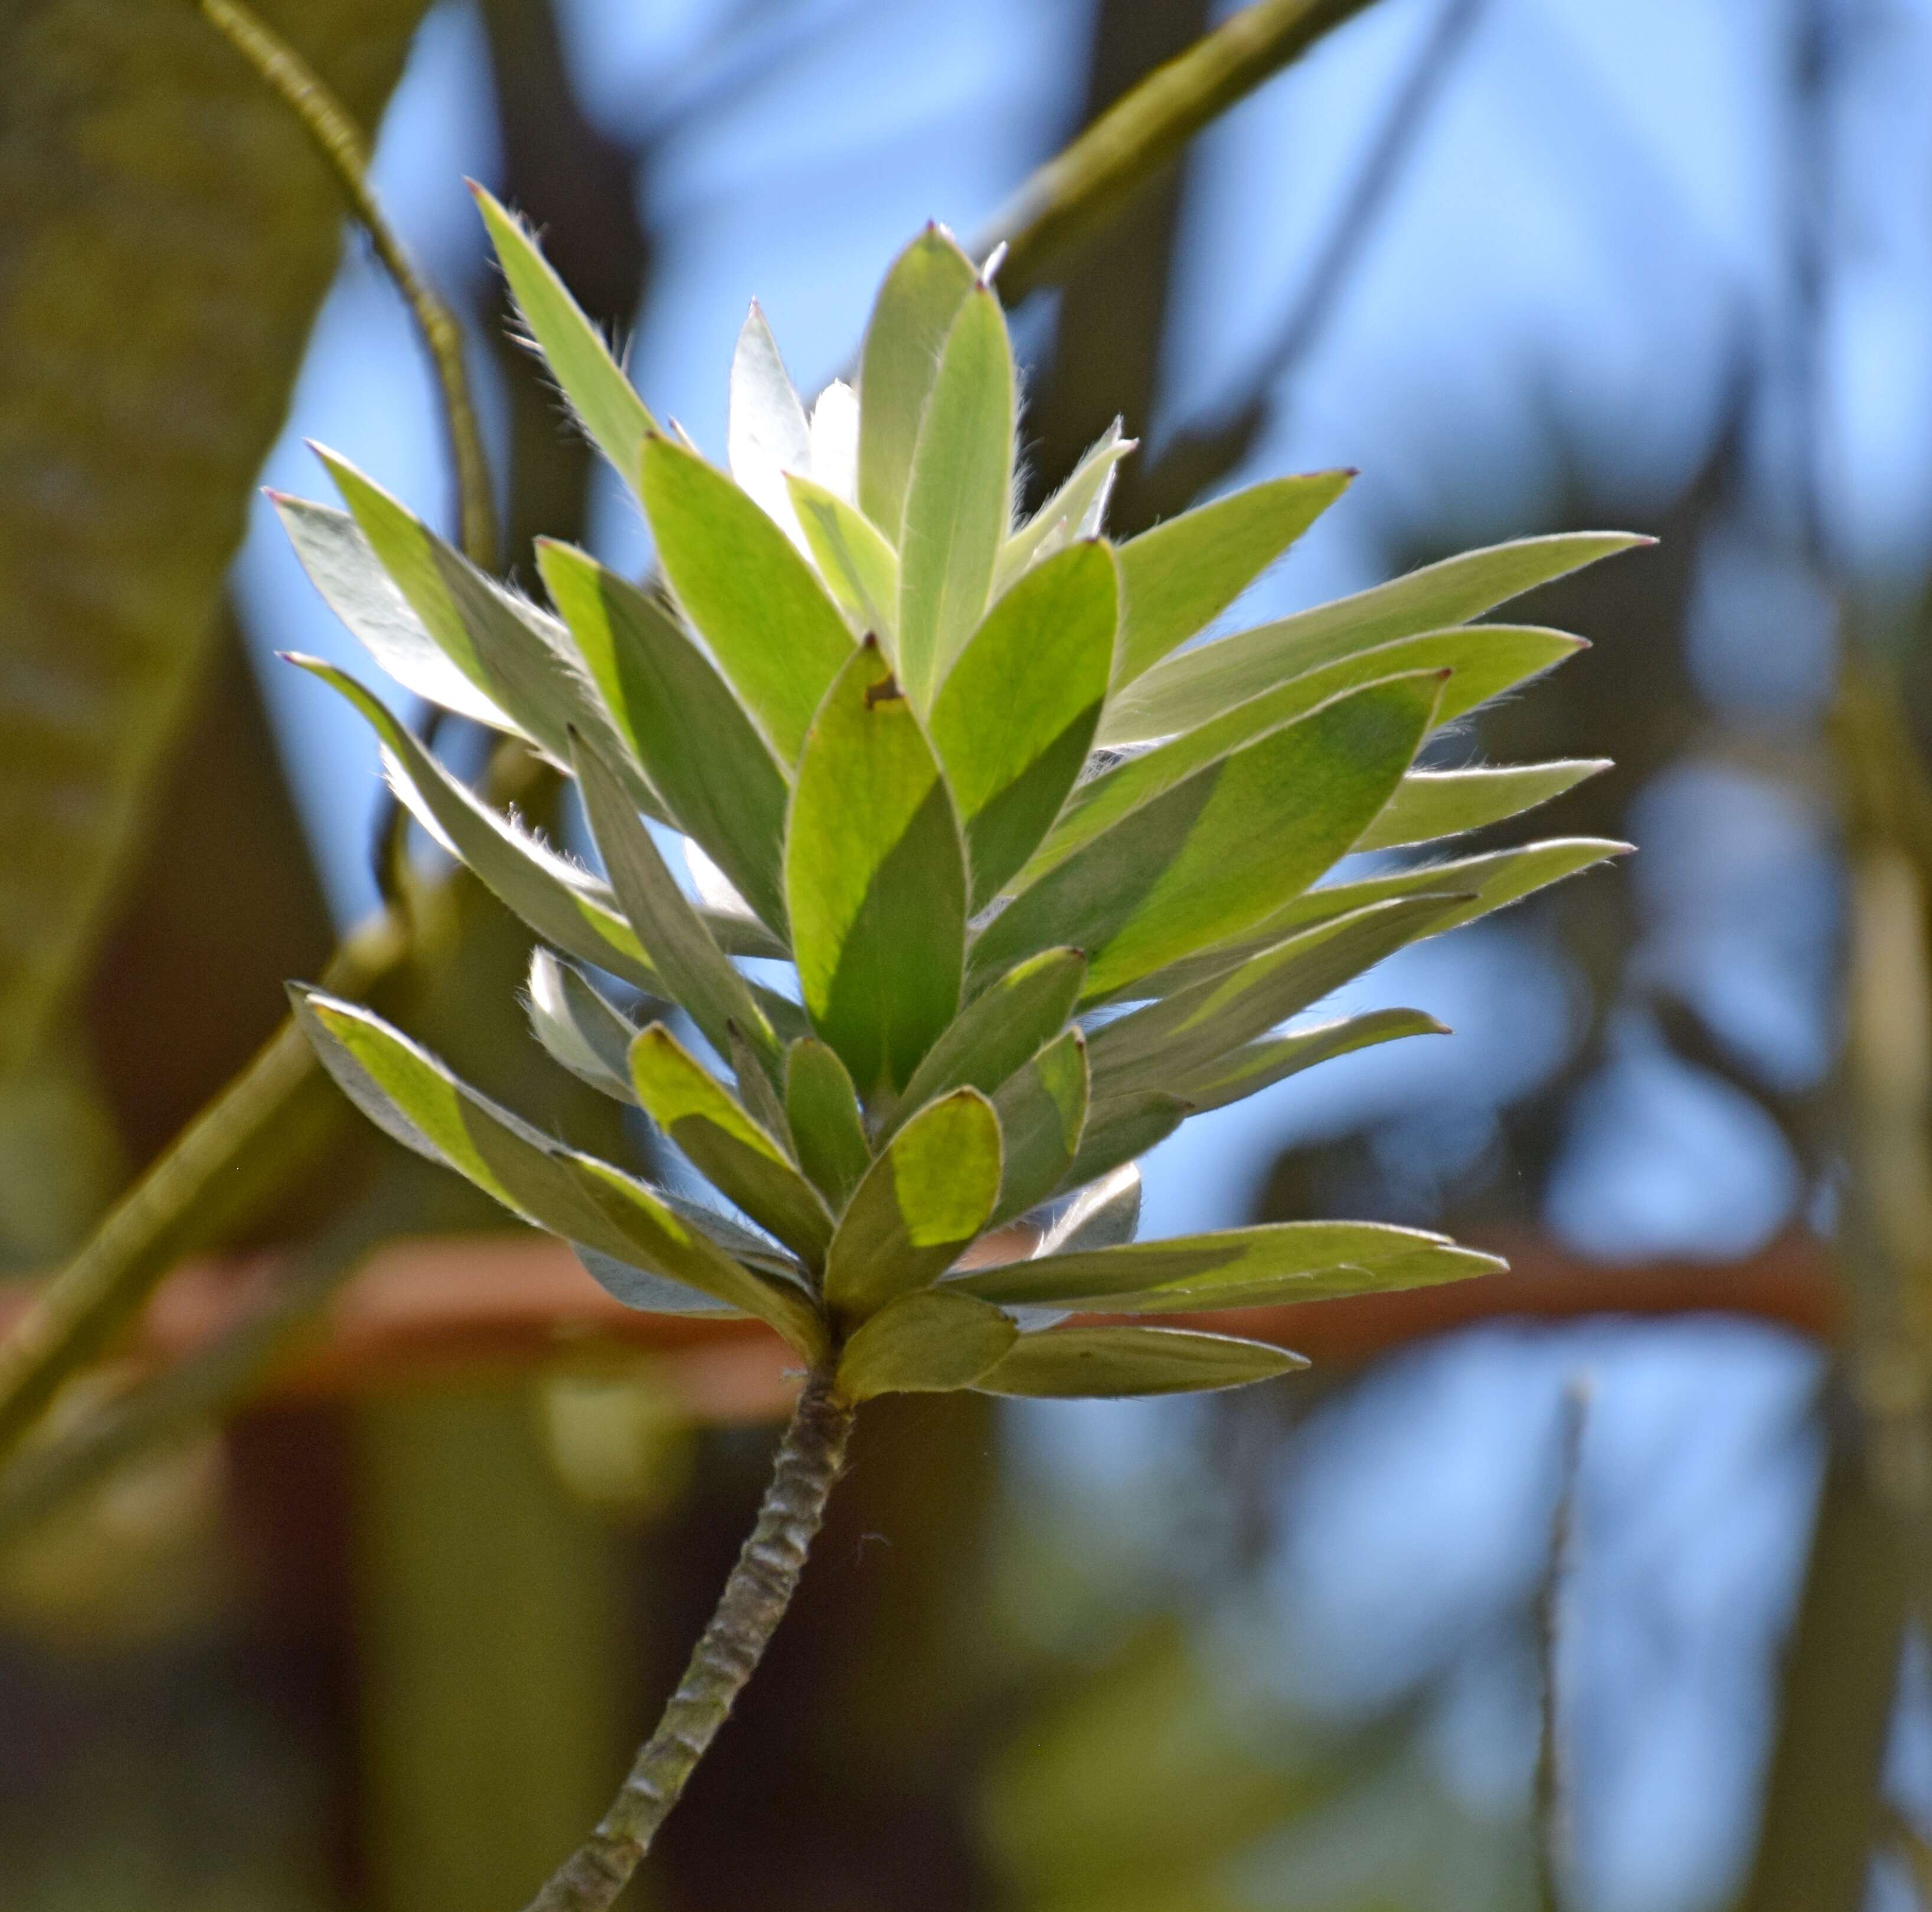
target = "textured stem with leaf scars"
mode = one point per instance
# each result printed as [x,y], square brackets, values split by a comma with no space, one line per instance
[748,1613]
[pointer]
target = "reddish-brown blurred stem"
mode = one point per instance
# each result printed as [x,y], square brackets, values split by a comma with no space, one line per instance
[749,1611]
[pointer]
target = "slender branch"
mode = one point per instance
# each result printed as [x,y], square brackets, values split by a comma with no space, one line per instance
[1070,197]
[1552,1791]
[340,141]
[753,1601]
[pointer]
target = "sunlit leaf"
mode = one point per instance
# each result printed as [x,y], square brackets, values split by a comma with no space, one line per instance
[1188,689]
[767,433]
[580,1030]
[1084,1364]
[998,1032]
[1224,848]
[860,569]
[754,599]
[927,1342]
[1483,660]
[1043,1110]
[696,974]
[914,311]
[409,1093]
[731,1150]
[927,1195]
[573,351]
[1077,510]
[1432,803]
[1181,575]
[959,498]
[1238,1268]
[1013,723]
[1255,1066]
[715,773]
[875,878]
[347,573]
[828,1129]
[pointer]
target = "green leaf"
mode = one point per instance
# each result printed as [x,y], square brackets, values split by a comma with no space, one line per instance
[696,974]
[875,878]
[579,1028]
[705,758]
[1014,722]
[1077,510]
[1483,660]
[563,904]
[1255,1066]
[1181,575]
[727,1148]
[918,1207]
[1121,1127]
[755,601]
[521,656]
[914,312]
[1179,1035]
[344,567]
[959,503]
[1432,803]
[1042,1110]
[828,1129]
[756,1081]
[574,350]
[929,1342]
[1238,1268]
[1200,683]
[860,569]
[997,1032]
[414,1098]
[767,433]
[1224,848]
[1113,1364]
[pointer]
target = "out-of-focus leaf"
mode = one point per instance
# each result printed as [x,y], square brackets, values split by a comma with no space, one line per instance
[767,433]
[705,758]
[1181,575]
[1042,1110]
[1431,803]
[155,190]
[754,599]
[1014,720]
[1483,660]
[927,1195]
[1120,1127]
[1114,1364]
[914,312]
[1104,1213]
[1190,1032]
[564,904]
[520,657]
[1189,689]
[347,573]
[929,1342]
[580,1030]
[958,501]
[875,878]
[1077,510]
[1255,1066]
[709,1123]
[612,414]
[696,974]
[1222,849]
[1277,1261]
[860,569]
[998,1033]
[827,1127]
[415,1099]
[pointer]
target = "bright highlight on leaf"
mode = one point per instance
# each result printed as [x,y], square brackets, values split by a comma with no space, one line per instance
[994,867]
